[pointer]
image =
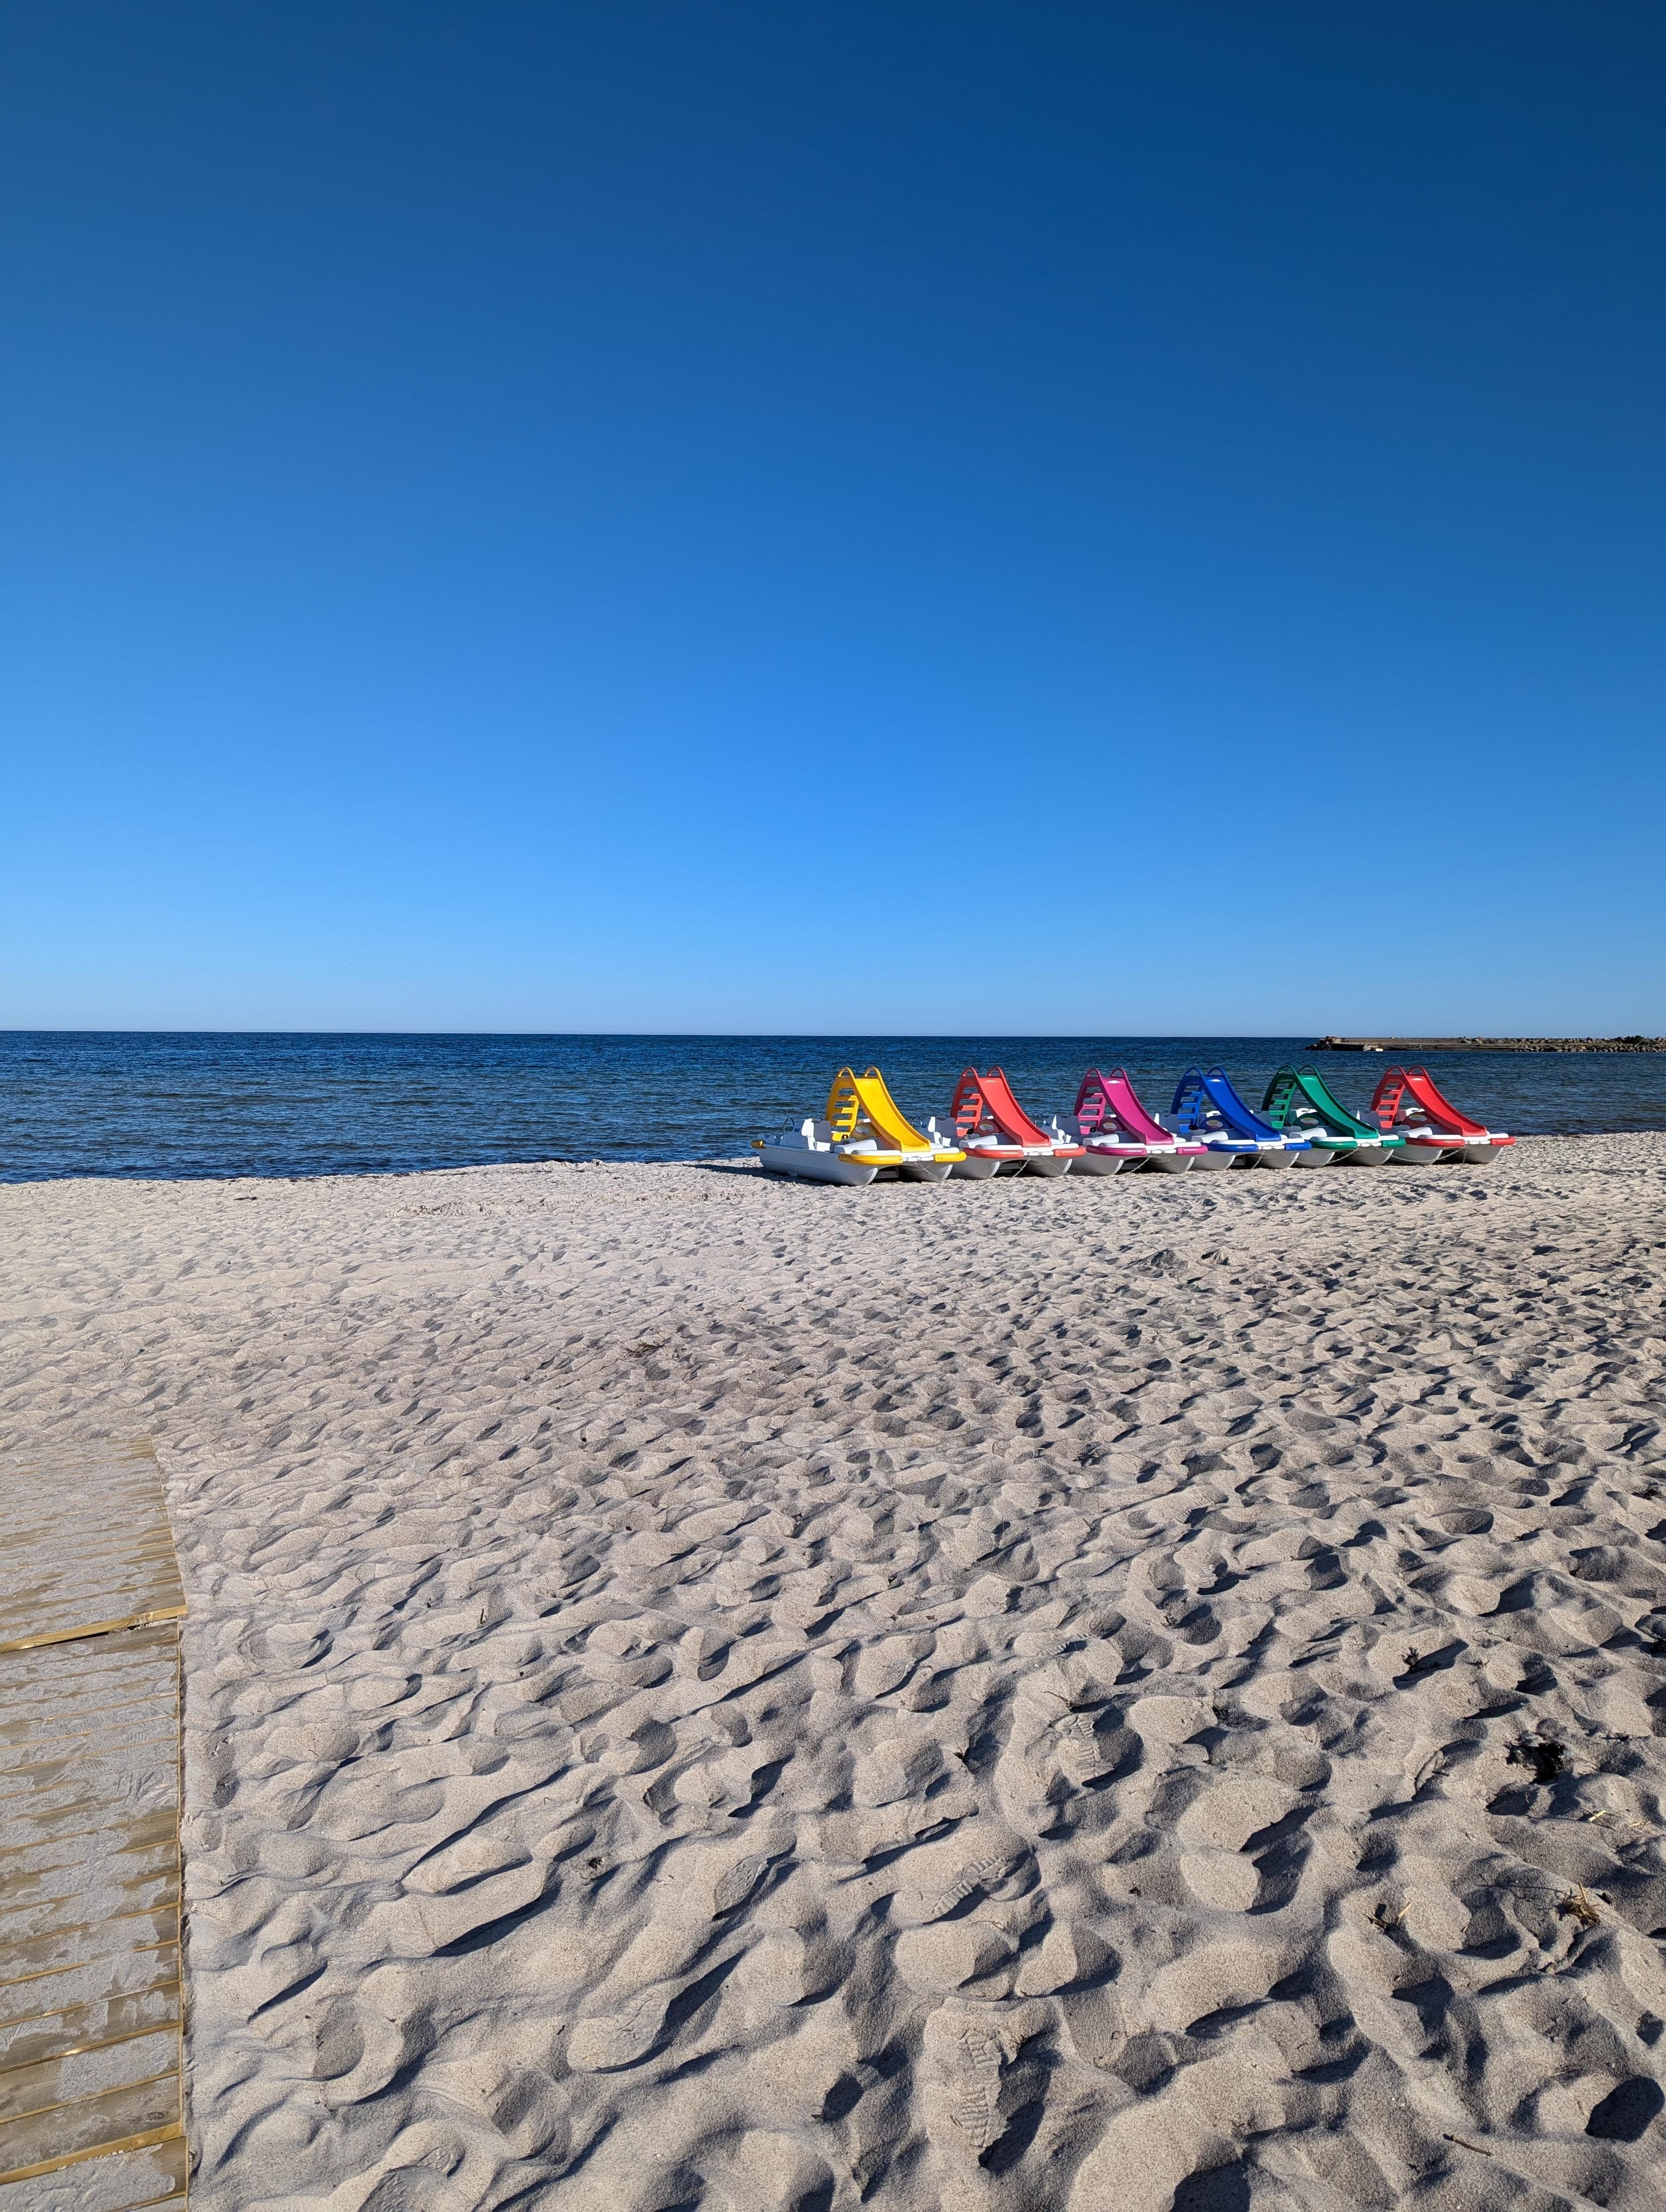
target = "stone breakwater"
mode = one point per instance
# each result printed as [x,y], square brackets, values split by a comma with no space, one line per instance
[1488,1044]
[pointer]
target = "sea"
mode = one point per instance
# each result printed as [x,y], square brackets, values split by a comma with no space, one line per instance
[198,1103]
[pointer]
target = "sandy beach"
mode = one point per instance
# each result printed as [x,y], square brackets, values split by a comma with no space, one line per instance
[705,1691]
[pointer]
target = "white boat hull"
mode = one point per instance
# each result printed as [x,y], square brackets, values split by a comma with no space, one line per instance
[1365,1154]
[978,1168]
[928,1171]
[814,1166]
[1214,1157]
[1099,1164]
[1174,1163]
[1423,1152]
[1479,1154]
[1043,1164]
[1275,1156]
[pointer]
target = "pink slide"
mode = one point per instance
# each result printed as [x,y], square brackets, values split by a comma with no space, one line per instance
[1114,1125]
[1408,1100]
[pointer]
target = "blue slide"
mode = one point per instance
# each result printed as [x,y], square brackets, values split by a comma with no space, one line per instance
[1208,1109]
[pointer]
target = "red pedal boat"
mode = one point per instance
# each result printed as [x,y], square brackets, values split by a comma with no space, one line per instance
[1407,1103]
[997,1137]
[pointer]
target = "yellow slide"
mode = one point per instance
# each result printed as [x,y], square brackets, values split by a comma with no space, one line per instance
[860,1105]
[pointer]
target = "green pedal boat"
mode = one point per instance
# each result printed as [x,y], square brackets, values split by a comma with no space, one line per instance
[1299,1099]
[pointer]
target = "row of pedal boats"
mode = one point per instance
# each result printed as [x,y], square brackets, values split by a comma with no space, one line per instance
[863,1134]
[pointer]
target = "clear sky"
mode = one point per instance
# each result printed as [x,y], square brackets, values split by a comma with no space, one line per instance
[909,515]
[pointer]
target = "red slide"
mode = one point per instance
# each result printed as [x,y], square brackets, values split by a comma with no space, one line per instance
[980,1096]
[1408,1100]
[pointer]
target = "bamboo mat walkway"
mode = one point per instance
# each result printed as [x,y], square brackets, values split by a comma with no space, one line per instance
[91,2021]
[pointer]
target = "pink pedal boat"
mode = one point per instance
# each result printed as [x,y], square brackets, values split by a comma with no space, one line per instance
[1407,1103]
[1116,1132]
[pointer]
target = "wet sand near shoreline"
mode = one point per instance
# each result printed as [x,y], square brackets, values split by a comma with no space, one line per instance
[703,1691]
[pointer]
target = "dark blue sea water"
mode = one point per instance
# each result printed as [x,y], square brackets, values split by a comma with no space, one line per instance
[190,1103]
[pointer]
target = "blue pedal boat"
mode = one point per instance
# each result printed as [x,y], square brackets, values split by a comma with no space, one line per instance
[1207,1110]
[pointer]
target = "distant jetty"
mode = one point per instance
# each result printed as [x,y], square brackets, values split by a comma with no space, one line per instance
[1488,1044]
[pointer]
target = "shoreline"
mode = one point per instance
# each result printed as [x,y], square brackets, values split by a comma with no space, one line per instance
[728,1163]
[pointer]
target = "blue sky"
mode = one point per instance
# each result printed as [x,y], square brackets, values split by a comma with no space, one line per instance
[906,517]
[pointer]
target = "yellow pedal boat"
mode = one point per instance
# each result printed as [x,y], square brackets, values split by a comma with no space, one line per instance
[863,1134]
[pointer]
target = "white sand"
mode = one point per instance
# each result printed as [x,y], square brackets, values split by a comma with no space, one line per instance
[703,1692]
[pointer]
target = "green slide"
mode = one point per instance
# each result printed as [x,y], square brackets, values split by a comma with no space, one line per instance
[1299,1099]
